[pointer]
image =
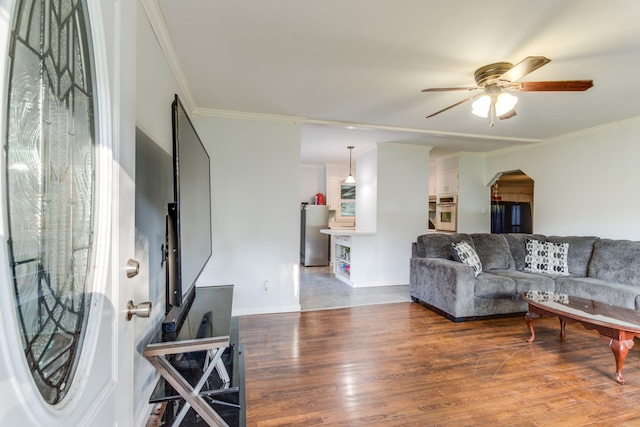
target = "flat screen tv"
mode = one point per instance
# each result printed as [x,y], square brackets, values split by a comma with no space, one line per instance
[188,224]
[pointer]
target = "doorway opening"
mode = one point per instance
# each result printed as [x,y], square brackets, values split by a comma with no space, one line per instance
[512,202]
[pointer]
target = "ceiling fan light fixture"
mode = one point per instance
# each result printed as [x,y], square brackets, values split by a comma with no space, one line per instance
[481,106]
[501,105]
[494,78]
[508,114]
[505,102]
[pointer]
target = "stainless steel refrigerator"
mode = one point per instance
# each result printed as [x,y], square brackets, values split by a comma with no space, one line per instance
[314,246]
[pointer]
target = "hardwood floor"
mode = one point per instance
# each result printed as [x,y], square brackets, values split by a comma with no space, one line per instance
[403,365]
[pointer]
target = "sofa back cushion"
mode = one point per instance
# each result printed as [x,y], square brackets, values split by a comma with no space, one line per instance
[493,251]
[580,250]
[517,245]
[616,261]
[438,245]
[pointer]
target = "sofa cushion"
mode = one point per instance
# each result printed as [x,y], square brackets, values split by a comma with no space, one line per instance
[546,257]
[489,285]
[434,246]
[463,252]
[493,251]
[598,290]
[580,250]
[517,242]
[438,245]
[616,261]
[528,281]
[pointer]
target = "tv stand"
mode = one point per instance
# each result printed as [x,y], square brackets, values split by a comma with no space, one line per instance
[201,364]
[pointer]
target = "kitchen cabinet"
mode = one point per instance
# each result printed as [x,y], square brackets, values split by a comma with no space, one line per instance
[447,182]
[333,193]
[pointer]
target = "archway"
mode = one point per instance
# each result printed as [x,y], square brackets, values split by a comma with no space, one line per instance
[512,203]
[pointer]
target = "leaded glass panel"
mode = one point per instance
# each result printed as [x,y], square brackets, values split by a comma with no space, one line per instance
[50,169]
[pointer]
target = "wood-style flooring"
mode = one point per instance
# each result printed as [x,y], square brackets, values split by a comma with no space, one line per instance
[403,365]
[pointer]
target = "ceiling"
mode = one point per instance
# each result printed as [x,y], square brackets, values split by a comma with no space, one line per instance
[351,71]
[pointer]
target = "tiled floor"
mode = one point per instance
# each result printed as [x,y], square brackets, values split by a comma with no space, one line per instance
[320,290]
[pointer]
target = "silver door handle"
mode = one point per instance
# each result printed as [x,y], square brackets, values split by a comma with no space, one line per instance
[141,310]
[132,268]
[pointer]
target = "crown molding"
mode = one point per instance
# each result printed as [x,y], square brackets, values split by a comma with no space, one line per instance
[407,146]
[210,112]
[593,130]
[569,136]
[159,27]
[241,115]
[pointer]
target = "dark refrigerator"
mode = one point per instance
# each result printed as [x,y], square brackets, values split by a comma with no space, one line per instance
[314,246]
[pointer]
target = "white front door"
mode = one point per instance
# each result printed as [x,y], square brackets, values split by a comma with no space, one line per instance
[100,393]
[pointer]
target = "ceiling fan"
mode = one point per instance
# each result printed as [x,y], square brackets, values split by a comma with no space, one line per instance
[495,80]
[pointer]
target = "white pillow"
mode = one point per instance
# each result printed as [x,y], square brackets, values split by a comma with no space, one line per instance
[546,257]
[463,252]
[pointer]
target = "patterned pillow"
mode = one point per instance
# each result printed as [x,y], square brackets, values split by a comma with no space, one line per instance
[464,253]
[546,257]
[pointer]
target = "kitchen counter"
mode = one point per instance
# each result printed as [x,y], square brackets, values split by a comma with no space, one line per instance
[346,232]
[351,254]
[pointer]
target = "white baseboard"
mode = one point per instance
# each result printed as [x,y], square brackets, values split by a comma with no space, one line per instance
[265,310]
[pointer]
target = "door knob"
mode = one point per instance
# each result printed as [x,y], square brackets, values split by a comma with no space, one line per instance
[132,268]
[141,310]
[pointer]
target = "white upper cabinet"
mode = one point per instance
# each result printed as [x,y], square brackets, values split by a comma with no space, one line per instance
[447,182]
[333,192]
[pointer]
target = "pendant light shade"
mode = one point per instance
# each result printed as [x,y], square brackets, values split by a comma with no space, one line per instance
[350,179]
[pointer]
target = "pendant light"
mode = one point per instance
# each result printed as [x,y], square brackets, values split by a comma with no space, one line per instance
[350,179]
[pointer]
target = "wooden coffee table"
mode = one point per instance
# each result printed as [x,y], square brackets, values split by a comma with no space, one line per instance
[617,326]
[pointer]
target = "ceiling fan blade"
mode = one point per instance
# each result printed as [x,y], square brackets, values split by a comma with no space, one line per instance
[444,89]
[454,105]
[524,67]
[557,85]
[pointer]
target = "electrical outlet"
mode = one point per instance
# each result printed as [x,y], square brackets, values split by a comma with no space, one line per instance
[265,287]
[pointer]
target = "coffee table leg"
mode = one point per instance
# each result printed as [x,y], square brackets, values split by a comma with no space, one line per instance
[620,350]
[562,328]
[529,318]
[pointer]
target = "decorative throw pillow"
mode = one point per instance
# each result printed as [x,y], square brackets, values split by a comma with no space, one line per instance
[463,252]
[546,257]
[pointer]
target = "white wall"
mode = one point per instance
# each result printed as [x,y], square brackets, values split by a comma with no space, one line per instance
[403,201]
[367,191]
[392,201]
[334,169]
[155,86]
[586,184]
[255,178]
[313,180]
[474,196]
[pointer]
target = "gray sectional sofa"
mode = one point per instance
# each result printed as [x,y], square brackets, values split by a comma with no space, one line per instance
[600,269]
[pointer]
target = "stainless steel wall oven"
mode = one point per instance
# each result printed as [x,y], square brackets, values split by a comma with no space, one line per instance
[446,217]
